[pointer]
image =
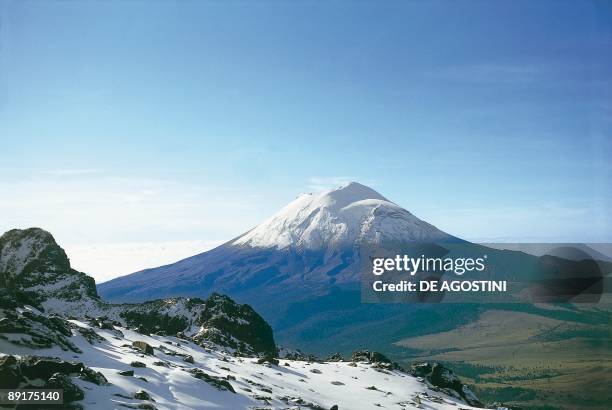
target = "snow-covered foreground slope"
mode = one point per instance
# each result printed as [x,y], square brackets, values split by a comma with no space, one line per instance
[55,332]
[289,385]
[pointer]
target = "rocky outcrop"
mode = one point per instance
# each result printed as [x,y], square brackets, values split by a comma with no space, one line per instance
[45,372]
[444,378]
[35,269]
[377,359]
[72,392]
[37,331]
[151,318]
[369,357]
[336,357]
[143,347]
[224,322]
[293,354]
[214,381]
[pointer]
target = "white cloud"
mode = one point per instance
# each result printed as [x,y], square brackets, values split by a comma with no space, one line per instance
[113,225]
[105,261]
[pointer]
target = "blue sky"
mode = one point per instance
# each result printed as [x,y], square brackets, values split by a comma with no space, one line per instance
[168,127]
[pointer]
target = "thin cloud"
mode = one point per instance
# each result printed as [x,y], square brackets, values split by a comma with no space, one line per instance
[318,184]
[105,261]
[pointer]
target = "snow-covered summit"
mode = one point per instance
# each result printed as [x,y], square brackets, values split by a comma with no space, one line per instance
[346,216]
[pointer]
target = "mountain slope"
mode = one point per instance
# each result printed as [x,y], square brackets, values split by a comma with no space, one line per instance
[309,245]
[212,379]
[176,353]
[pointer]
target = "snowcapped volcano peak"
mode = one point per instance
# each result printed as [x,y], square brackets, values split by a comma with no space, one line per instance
[350,193]
[344,216]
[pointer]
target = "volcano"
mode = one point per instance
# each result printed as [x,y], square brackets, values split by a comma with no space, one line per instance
[307,247]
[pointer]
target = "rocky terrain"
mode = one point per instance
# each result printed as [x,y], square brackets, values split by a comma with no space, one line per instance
[55,332]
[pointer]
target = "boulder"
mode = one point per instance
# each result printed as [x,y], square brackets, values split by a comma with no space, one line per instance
[369,357]
[30,372]
[378,360]
[217,382]
[336,357]
[142,395]
[267,358]
[444,378]
[103,322]
[72,392]
[144,347]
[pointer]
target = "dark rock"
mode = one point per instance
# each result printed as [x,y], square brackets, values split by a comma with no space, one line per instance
[369,357]
[236,326]
[444,378]
[72,392]
[336,357]
[126,373]
[9,372]
[29,371]
[378,360]
[92,376]
[268,359]
[334,407]
[34,367]
[45,332]
[137,364]
[103,322]
[153,320]
[188,359]
[217,382]
[142,395]
[89,335]
[313,359]
[295,355]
